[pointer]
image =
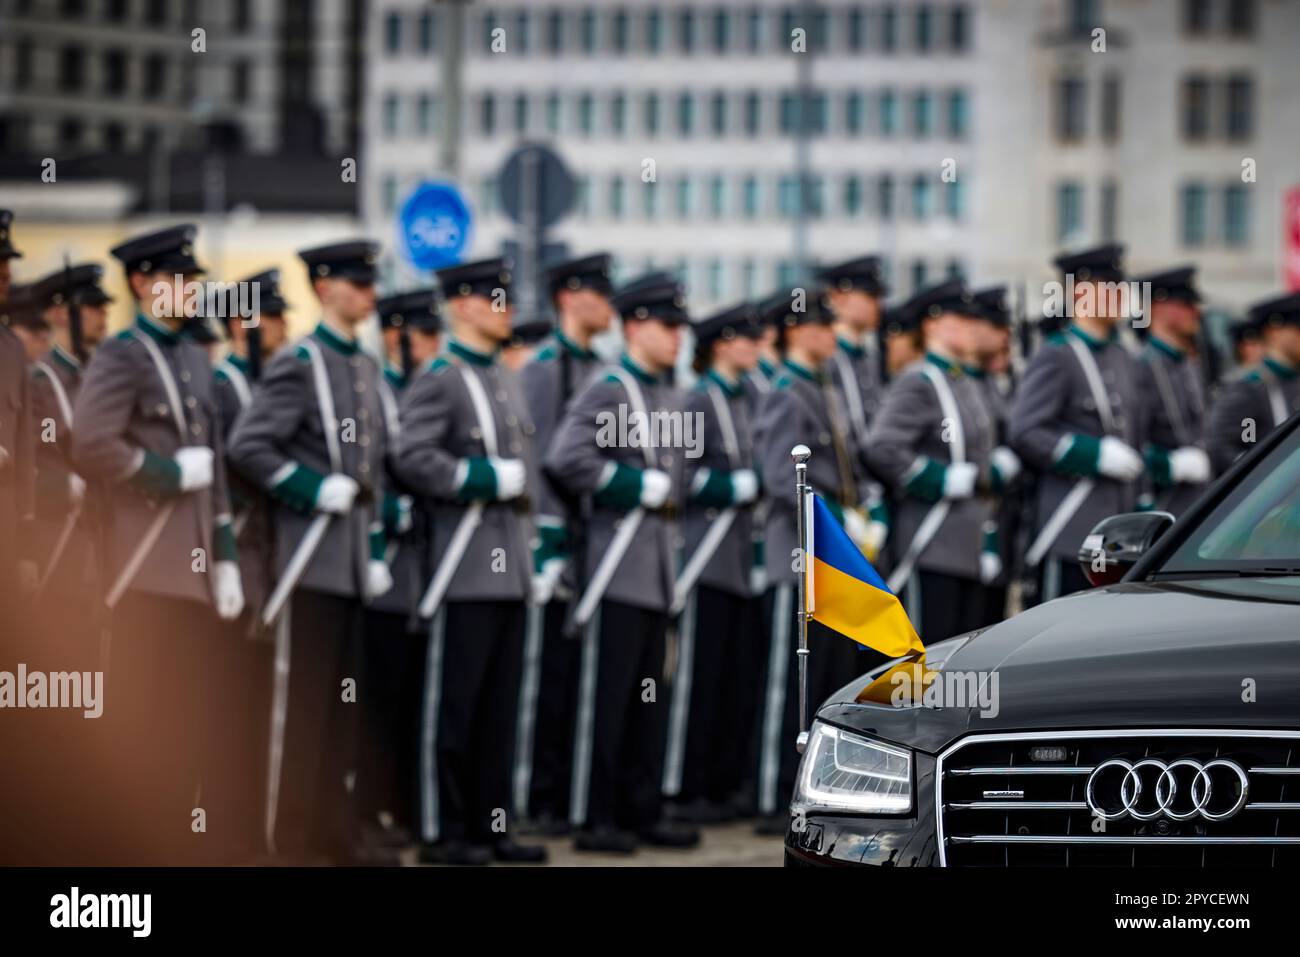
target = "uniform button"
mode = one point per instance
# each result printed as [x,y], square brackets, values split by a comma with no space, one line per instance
[667,460]
[161,408]
[364,441]
[355,361]
[529,429]
[511,420]
[364,467]
[360,387]
[195,429]
[515,448]
[191,402]
[501,395]
[824,438]
[364,413]
[185,375]
[710,513]
[476,433]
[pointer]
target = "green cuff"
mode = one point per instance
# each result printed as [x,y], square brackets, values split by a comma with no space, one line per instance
[996,480]
[157,475]
[552,542]
[1158,466]
[1081,457]
[927,484]
[623,490]
[480,483]
[378,544]
[716,491]
[223,543]
[392,513]
[299,488]
[992,541]
[760,552]
[879,513]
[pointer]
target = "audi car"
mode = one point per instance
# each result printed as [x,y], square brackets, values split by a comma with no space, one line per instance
[1153,720]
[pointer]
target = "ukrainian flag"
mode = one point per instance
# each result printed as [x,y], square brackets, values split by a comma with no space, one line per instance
[847,595]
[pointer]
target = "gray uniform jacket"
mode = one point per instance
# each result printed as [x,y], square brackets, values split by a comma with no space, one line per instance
[1172,395]
[592,455]
[280,444]
[1056,426]
[855,370]
[56,377]
[803,408]
[126,436]
[912,442]
[1251,405]
[441,456]
[406,551]
[248,502]
[728,445]
[17,461]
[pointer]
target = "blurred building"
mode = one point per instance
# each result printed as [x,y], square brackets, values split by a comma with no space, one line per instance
[954,137]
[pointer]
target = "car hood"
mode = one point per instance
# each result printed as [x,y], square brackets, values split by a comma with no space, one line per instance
[1206,653]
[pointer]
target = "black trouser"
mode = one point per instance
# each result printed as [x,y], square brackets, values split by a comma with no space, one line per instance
[618,749]
[995,604]
[709,717]
[778,725]
[164,712]
[468,715]
[551,764]
[941,606]
[313,806]
[393,674]
[1060,576]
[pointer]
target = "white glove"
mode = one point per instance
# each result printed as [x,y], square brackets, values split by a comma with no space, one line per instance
[990,566]
[1118,460]
[336,494]
[195,463]
[542,587]
[959,479]
[655,486]
[855,525]
[874,540]
[378,578]
[1189,464]
[227,589]
[744,486]
[1006,462]
[511,476]
[76,488]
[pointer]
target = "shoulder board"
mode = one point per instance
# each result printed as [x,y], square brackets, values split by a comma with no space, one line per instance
[1055,339]
[301,354]
[546,353]
[124,336]
[220,373]
[1251,375]
[783,381]
[440,364]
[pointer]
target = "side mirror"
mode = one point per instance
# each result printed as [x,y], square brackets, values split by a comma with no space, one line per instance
[1115,545]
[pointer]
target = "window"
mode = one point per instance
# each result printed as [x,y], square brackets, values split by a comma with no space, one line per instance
[424,30]
[885,196]
[553,112]
[651,114]
[851,200]
[388,193]
[787,196]
[619,31]
[754,30]
[753,114]
[70,130]
[854,114]
[114,138]
[241,18]
[654,31]
[921,197]
[1070,105]
[713,274]
[519,41]
[787,274]
[70,69]
[954,199]
[855,34]
[587,28]
[958,115]
[1196,17]
[721,30]
[924,28]
[888,29]
[1236,215]
[586,114]
[815,195]
[650,200]
[685,197]
[390,109]
[685,114]
[555,32]
[582,199]
[155,76]
[718,114]
[1109,213]
[425,117]
[1085,15]
[1240,100]
[888,113]
[686,29]
[393,33]
[1069,212]
[1110,108]
[521,113]
[959,28]
[748,279]
[921,114]
[918,274]
[1196,108]
[114,72]
[789,115]
[617,199]
[749,197]
[618,114]
[487,121]
[717,196]
[1192,209]
[489,27]
[1241,18]
[116,11]
[241,81]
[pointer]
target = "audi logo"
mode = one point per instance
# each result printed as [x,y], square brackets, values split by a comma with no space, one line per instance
[1180,790]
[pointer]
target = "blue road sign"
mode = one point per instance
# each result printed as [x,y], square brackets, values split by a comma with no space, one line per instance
[434,225]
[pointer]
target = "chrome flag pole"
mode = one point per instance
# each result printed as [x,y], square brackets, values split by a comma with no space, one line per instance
[801,454]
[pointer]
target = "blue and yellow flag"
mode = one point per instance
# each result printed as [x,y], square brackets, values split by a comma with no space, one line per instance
[847,595]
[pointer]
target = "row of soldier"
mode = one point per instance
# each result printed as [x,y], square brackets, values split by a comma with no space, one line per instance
[457,605]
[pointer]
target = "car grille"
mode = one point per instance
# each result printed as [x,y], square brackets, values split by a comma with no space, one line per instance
[1023,800]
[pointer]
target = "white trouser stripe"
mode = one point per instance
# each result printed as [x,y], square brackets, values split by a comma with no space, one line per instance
[774,709]
[279,715]
[527,721]
[680,716]
[586,724]
[429,825]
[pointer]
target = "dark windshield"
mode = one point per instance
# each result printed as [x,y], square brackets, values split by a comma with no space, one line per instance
[1256,528]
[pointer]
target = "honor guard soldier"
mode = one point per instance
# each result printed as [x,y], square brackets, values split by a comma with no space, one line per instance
[901,338]
[18,570]
[395,645]
[1077,421]
[1247,349]
[616,446]
[580,290]
[717,663]
[314,441]
[1171,384]
[1260,398]
[146,426]
[933,442]
[525,339]
[467,449]
[804,407]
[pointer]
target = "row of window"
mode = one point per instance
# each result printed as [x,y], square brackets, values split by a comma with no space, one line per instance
[1236,18]
[1207,215]
[112,71]
[686,30]
[1217,108]
[888,112]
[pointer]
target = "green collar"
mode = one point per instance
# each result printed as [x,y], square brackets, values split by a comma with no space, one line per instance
[65,359]
[394,375]
[335,341]
[729,388]
[573,348]
[766,367]
[975,372]
[156,330]
[803,372]
[853,349]
[472,356]
[239,362]
[1092,342]
[630,365]
[1279,369]
[1173,352]
[954,369]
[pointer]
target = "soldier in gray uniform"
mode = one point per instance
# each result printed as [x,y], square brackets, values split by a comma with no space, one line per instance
[395,645]
[933,442]
[718,663]
[18,569]
[1260,398]
[314,440]
[580,290]
[1077,421]
[467,449]
[147,428]
[804,407]
[633,478]
[1171,384]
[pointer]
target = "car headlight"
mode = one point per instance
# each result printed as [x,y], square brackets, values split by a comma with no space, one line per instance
[845,771]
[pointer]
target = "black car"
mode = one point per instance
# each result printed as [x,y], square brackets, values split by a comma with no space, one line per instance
[1151,721]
